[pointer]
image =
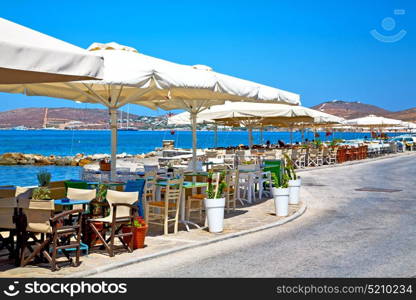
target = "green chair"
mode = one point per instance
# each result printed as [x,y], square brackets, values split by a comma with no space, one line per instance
[274,166]
[76,185]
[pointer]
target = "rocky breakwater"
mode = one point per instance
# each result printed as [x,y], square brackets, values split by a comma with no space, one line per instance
[15,158]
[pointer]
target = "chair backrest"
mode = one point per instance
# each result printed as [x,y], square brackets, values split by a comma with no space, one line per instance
[211,153]
[81,194]
[7,192]
[121,197]
[231,179]
[248,167]
[57,184]
[173,191]
[7,208]
[38,213]
[76,184]
[123,170]
[148,168]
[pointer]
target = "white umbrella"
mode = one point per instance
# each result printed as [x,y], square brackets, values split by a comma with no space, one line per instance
[131,77]
[258,114]
[372,121]
[28,56]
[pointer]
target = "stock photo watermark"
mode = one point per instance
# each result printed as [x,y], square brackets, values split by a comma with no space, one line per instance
[388,24]
[70,289]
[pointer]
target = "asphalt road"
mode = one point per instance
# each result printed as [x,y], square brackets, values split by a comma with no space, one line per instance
[344,232]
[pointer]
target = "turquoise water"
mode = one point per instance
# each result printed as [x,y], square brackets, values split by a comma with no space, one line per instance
[59,142]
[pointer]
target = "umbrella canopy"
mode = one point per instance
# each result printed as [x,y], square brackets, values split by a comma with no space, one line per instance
[131,77]
[28,56]
[373,121]
[258,115]
[265,113]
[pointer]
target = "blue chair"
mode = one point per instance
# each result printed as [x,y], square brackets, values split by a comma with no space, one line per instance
[137,186]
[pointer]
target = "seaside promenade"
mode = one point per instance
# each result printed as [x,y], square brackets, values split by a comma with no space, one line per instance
[333,230]
[343,233]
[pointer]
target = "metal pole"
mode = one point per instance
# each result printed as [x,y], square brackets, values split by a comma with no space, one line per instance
[216,136]
[261,135]
[113,126]
[194,139]
[291,136]
[250,136]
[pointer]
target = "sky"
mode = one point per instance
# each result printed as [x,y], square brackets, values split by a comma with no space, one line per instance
[322,50]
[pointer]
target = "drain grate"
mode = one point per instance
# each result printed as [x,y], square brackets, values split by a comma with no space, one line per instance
[377,190]
[313,184]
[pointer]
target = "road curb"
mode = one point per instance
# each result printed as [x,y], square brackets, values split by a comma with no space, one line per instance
[124,263]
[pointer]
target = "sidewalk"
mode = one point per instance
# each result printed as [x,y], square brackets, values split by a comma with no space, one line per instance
[243,220]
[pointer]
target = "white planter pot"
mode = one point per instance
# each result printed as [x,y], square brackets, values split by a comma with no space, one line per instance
[281,201]
[215,214]
[294,189]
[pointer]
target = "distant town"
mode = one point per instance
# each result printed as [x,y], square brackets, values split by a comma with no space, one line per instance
[65,118]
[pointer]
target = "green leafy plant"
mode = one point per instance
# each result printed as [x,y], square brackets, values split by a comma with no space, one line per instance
[216,187]
[282,182]
[44,178]
[139,222]
[41,193]
[290,168]
[317,143]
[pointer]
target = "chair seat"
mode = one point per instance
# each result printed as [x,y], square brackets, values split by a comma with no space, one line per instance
[198,196]
[149,194]
[161,204]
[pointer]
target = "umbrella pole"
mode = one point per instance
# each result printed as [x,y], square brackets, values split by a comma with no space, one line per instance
[215,136]
[261,135]
[194,142]
[250,136]
[113,126]
[291,136]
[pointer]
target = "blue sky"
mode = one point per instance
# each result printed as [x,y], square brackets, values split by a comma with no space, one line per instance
[322,50]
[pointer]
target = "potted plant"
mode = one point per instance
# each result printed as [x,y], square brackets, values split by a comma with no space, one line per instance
[215,202]
[294,182]
[139,230]
[281,194]
[42,192]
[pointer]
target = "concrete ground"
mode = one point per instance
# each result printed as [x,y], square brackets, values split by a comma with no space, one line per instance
[344,232]
[243,218]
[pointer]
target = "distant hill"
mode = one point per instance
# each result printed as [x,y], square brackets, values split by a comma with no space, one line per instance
[65,117]
[405,115]
[350,110]
[60,117]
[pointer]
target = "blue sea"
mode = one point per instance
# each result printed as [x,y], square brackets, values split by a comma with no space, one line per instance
[59,142]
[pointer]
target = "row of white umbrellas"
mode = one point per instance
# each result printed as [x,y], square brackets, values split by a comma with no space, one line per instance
[39,65]
[113,75]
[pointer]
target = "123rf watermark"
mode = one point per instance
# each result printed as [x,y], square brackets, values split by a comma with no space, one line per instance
[70,289]
[388,24]
[366,289]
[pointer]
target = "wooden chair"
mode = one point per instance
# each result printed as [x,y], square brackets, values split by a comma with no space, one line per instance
[122,213]
[8,207]
[195,201]
[231,191]
[55,235]
[149,189]
[166,211]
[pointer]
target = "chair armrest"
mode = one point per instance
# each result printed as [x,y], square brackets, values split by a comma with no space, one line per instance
[64,214]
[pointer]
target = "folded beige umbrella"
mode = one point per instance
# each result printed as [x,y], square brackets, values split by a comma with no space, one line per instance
[28,56]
